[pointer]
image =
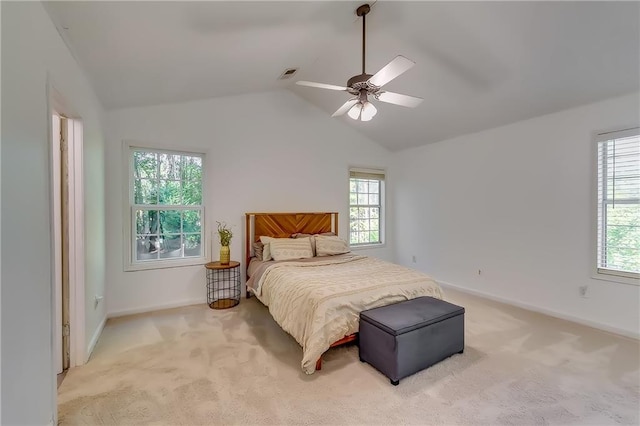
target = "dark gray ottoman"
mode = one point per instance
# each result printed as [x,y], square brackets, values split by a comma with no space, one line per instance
[406,337]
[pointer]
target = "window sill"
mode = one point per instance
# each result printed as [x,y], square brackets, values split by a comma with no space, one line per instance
[164,264]
[367,246]
[615,278]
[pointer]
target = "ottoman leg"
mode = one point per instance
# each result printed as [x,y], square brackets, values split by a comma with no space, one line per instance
[362,360]
[394,382]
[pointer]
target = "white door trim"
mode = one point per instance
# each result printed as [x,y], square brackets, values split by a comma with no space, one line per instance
[57,104]
[78,353]
[56,217]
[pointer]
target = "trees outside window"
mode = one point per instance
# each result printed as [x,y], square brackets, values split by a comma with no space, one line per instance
[166,205]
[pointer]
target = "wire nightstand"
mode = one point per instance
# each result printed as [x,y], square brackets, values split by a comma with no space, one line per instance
[223,284]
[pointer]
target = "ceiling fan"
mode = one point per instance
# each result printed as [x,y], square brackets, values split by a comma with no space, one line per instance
[363,85]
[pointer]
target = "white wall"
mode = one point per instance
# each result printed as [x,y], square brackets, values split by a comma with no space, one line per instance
[0,232]
[516,202]
[95,232]
[31,49]
[266,152]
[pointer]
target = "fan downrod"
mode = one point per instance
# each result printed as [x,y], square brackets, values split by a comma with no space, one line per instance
[362,11]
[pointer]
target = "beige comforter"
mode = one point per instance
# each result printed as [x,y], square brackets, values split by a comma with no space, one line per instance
[319,301]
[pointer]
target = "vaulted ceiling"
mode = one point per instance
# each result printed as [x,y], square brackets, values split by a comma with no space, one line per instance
[478,64]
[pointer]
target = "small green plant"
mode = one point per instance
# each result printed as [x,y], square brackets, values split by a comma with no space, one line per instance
[225,234]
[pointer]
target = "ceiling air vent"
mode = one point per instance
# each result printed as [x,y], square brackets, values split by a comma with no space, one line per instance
[288,73]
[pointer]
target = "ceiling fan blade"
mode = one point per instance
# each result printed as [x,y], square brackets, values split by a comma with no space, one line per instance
[320,85]
[398,99]
[345,107]
[393,69]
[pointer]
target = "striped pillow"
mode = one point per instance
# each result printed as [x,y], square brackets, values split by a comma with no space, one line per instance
[312,238]
[329,246]
[290,248]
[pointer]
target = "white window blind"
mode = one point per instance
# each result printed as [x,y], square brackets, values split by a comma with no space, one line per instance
[618,216]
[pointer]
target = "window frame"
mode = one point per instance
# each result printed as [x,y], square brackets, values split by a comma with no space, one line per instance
[597,272]
[382,204]
[129,208]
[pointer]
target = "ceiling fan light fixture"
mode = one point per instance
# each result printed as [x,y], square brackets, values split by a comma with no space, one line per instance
[368,111]
[354,112]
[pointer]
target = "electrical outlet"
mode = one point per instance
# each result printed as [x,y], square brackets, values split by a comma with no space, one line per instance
[413,258]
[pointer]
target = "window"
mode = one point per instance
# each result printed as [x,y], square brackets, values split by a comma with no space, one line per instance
[366,196]
[166,208]
[618,215]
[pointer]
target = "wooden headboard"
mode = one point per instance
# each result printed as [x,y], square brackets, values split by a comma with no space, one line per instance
[282,225]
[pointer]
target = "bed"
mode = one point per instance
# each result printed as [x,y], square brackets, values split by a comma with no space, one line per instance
[317,300]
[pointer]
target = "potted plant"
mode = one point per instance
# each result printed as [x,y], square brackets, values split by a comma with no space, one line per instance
[225,235]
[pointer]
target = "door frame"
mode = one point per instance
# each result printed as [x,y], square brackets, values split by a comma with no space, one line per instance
[57,104]
[57,182]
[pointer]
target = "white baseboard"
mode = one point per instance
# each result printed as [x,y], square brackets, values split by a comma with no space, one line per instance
[94,339]
[151,308]
[551,313]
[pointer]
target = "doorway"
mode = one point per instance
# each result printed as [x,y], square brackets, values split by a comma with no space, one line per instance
[67,234]
[60,211]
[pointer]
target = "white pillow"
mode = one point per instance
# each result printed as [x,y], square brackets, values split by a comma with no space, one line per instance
[290,248]
[330,245]
[266,250]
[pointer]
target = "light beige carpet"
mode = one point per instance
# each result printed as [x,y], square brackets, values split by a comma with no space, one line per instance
[197,366]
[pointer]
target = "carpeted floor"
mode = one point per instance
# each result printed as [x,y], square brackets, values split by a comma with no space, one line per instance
[198,366]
